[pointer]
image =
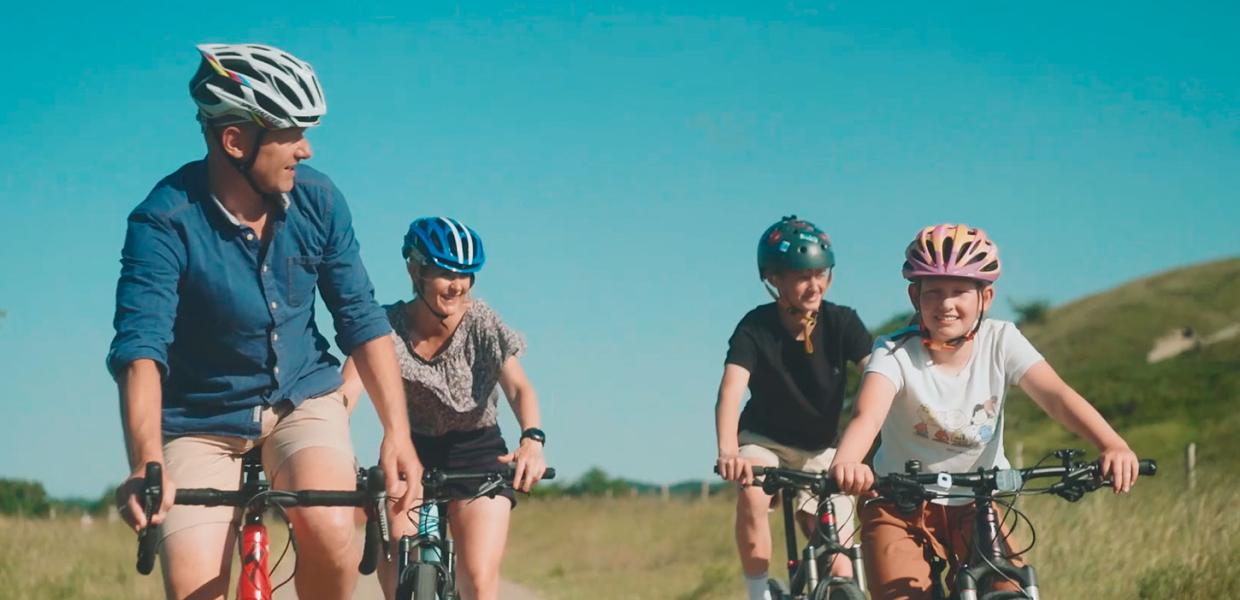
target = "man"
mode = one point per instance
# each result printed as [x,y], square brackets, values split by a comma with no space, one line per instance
[216,348]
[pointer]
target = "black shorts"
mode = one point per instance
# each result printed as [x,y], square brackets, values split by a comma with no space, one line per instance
[477,451]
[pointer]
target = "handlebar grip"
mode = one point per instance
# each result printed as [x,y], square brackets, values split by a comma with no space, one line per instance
[511,472]
[1148,467]
[377,529]
[370,548]
[152,498]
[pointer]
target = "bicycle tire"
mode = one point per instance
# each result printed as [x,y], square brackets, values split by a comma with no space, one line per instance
[420,581]
[838,588]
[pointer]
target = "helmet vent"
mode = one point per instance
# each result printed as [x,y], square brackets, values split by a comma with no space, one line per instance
[288,93]
[947,248]
[274,64]
[305,88]
[242,67]
[227,85]
[270,106]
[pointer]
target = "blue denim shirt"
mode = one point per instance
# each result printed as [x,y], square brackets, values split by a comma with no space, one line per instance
[228,318]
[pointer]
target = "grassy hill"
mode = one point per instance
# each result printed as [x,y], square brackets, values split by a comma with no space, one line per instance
[1099,345]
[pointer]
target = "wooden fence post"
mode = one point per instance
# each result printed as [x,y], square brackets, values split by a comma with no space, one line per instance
[705,490]
[1190,464]
[1020,454]
[665,492]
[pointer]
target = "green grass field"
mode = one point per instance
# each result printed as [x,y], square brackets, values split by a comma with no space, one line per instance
[1162,541]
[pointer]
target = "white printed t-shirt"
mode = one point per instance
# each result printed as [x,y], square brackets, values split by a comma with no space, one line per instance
[951,423]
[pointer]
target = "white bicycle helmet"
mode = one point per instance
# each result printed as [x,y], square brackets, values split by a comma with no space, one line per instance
[238,83]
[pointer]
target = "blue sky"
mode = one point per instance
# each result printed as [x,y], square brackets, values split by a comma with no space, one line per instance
[620,160]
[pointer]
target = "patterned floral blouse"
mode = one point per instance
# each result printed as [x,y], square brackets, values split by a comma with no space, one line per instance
[458,389]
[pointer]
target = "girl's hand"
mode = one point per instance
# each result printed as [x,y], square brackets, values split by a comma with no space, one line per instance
[1121,465]
[853,478]
[530,464]
[734,468]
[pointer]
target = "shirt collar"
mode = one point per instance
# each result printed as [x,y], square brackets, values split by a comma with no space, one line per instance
[284,204]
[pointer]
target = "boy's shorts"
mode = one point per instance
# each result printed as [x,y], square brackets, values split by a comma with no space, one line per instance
[214,461]
[761,450]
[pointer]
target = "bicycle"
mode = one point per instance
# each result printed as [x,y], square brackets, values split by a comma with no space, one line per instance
[426,562]
[821,549]
[988,563]
[256,497]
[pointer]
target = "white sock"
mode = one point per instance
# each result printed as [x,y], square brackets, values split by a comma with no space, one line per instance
[757,587]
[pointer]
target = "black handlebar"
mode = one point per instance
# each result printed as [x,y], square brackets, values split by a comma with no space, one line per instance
[435,478]
[774,479]
[1075,479]
[371,494]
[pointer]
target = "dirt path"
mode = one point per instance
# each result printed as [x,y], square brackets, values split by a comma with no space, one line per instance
[368,589]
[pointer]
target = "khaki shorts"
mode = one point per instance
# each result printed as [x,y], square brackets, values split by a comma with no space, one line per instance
[761,450]
[214,461]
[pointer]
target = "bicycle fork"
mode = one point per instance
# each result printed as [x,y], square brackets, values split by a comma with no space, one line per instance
[432,546]
[994,565]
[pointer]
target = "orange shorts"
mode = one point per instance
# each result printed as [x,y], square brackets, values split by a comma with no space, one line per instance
[214,461]
[896,546]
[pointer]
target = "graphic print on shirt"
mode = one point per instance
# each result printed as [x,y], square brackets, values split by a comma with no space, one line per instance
[965,430]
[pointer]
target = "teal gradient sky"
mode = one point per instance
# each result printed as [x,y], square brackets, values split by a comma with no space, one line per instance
[620,160]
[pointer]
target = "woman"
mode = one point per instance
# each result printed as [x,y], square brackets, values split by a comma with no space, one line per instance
[453,351]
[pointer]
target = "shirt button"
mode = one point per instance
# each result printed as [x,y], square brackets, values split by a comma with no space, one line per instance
[276,370]
[264,268]
[275,337]
[249,237]
[273,306]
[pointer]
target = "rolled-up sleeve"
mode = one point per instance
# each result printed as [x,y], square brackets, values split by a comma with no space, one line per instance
[344,283]
[146,293]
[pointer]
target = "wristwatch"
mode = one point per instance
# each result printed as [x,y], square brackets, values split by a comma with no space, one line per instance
[535,434]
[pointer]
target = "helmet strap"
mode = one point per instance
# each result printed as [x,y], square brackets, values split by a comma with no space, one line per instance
[809,318]
[244,166]
[417,288]
[770,289]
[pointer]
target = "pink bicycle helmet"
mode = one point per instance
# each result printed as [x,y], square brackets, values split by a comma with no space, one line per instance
[952,251]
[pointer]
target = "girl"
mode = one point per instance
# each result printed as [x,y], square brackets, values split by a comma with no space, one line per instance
[936,392]
[791,355]
[453,350]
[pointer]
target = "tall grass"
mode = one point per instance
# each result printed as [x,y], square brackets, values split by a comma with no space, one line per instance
[1159,542]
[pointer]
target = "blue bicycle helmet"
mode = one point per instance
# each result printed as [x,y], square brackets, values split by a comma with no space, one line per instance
[446,243]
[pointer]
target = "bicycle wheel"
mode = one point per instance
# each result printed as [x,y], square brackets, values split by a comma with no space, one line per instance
[838,588]
[420,581]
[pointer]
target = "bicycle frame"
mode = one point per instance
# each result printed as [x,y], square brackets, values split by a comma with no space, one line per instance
[803,573]
[254,580]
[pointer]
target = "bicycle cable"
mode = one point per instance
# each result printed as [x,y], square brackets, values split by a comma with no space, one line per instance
[291,542]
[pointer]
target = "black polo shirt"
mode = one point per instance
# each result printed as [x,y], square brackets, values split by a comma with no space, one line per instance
[796,398]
